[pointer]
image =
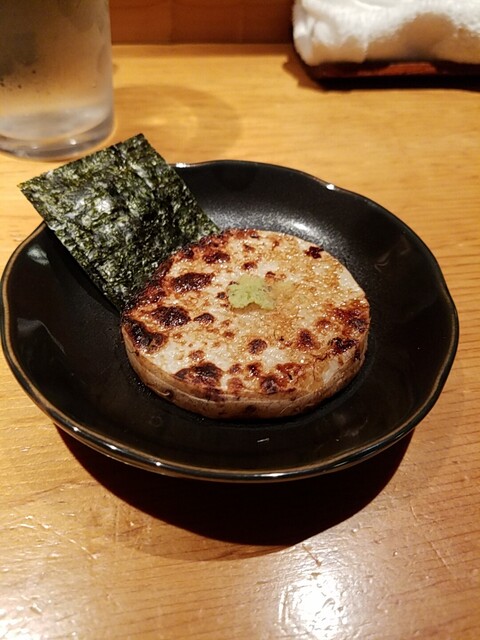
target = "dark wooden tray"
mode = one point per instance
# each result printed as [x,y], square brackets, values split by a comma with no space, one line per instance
[393,69]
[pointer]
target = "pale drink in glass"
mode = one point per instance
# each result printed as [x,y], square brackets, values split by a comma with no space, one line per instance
[56,97]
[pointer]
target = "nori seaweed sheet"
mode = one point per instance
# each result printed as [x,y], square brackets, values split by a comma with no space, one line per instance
[120,212]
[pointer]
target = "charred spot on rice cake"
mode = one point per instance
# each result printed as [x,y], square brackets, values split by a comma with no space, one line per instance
[204,318]
[191,281]
[173,316]
[144,338]
[305,339]
[206,374]
[211,257]
[314,251]
[224,359]
[257,345]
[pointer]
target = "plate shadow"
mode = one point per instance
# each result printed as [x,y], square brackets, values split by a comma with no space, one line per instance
[268,514]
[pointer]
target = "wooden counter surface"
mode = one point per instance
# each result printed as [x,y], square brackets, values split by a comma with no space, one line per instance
[93,549]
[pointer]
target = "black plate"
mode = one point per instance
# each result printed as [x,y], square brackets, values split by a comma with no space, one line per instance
[62,340]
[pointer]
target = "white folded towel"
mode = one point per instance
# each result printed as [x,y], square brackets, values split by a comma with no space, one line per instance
[373,30]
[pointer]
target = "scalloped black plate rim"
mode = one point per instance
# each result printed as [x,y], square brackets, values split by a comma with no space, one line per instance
[116,450]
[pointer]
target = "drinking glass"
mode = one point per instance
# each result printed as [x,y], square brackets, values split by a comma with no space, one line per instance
[56,97]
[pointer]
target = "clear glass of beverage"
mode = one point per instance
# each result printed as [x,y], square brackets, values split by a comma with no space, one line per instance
[56,97]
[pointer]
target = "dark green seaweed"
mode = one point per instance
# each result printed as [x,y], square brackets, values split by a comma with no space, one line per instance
[120,212]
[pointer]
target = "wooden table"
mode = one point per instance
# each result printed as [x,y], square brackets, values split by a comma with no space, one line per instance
[91,548]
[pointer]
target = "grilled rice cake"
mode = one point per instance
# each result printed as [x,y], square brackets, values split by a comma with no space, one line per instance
[248,323]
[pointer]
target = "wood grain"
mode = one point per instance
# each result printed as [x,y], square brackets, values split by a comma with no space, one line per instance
[196,21]
[91,548]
